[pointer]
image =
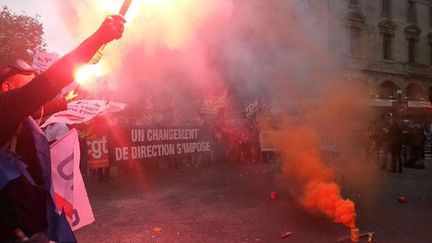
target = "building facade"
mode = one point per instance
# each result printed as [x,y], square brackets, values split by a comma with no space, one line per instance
[388,45]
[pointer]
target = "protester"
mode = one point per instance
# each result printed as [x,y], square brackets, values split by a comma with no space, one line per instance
[416,144]
[385,141]
[255,145]
[393,139]
[245,146]
[218,144]
[24,197]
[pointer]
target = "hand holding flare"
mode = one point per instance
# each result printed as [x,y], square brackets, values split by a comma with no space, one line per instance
[71,95]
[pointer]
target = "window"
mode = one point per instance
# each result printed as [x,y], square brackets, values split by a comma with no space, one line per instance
[414,92]
[430,44]
[353,3]
[388,90]
[412,11]
[412,49]
[430,17]
[387,46]
[386,7]
[355,44]
[387,29]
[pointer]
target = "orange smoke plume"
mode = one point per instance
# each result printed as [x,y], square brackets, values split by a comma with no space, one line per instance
[302,163]
[326,197]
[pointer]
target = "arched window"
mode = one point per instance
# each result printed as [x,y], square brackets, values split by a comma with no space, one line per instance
[414,92]
[412,33]
[355,21]
[387,90]
[387,29]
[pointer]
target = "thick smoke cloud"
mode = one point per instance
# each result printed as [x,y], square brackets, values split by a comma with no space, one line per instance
[167,47]
[181,50]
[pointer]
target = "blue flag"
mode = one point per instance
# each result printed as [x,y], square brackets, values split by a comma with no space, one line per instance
[59,229]
[11,168]
[61,232]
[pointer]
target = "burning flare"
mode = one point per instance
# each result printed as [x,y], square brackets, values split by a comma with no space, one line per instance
[89,73]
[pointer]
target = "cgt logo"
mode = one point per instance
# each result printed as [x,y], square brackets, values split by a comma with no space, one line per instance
[97,147]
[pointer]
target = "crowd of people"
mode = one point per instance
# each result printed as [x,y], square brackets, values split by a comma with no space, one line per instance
[399,143]
[233,141]
[238,141]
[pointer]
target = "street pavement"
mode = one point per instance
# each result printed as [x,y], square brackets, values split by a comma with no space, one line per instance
[232,203]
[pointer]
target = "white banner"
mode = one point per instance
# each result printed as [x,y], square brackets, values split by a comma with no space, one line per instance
[68,188]
[82,111]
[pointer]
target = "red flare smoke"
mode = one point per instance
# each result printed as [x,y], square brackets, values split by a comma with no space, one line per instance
[326,198]
[319,191]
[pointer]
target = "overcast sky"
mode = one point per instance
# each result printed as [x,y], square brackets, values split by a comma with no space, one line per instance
[56,36]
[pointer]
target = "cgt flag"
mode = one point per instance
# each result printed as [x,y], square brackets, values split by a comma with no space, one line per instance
[68,190]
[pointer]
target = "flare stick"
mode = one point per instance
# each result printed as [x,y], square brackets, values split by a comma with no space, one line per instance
[123,10]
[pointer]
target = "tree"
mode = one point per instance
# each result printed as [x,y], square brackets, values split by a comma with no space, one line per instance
[20,36]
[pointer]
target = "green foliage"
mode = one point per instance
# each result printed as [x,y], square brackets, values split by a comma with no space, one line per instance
[20,36]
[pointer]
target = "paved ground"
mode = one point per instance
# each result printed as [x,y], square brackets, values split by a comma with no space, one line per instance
[231,203]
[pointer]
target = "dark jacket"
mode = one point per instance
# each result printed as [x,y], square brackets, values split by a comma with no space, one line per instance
[22,204]
[17,104]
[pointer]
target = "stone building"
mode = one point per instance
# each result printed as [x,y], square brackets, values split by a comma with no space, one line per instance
[383,45]
[388,45]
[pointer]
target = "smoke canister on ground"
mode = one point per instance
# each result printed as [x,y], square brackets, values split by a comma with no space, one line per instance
[355,235]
